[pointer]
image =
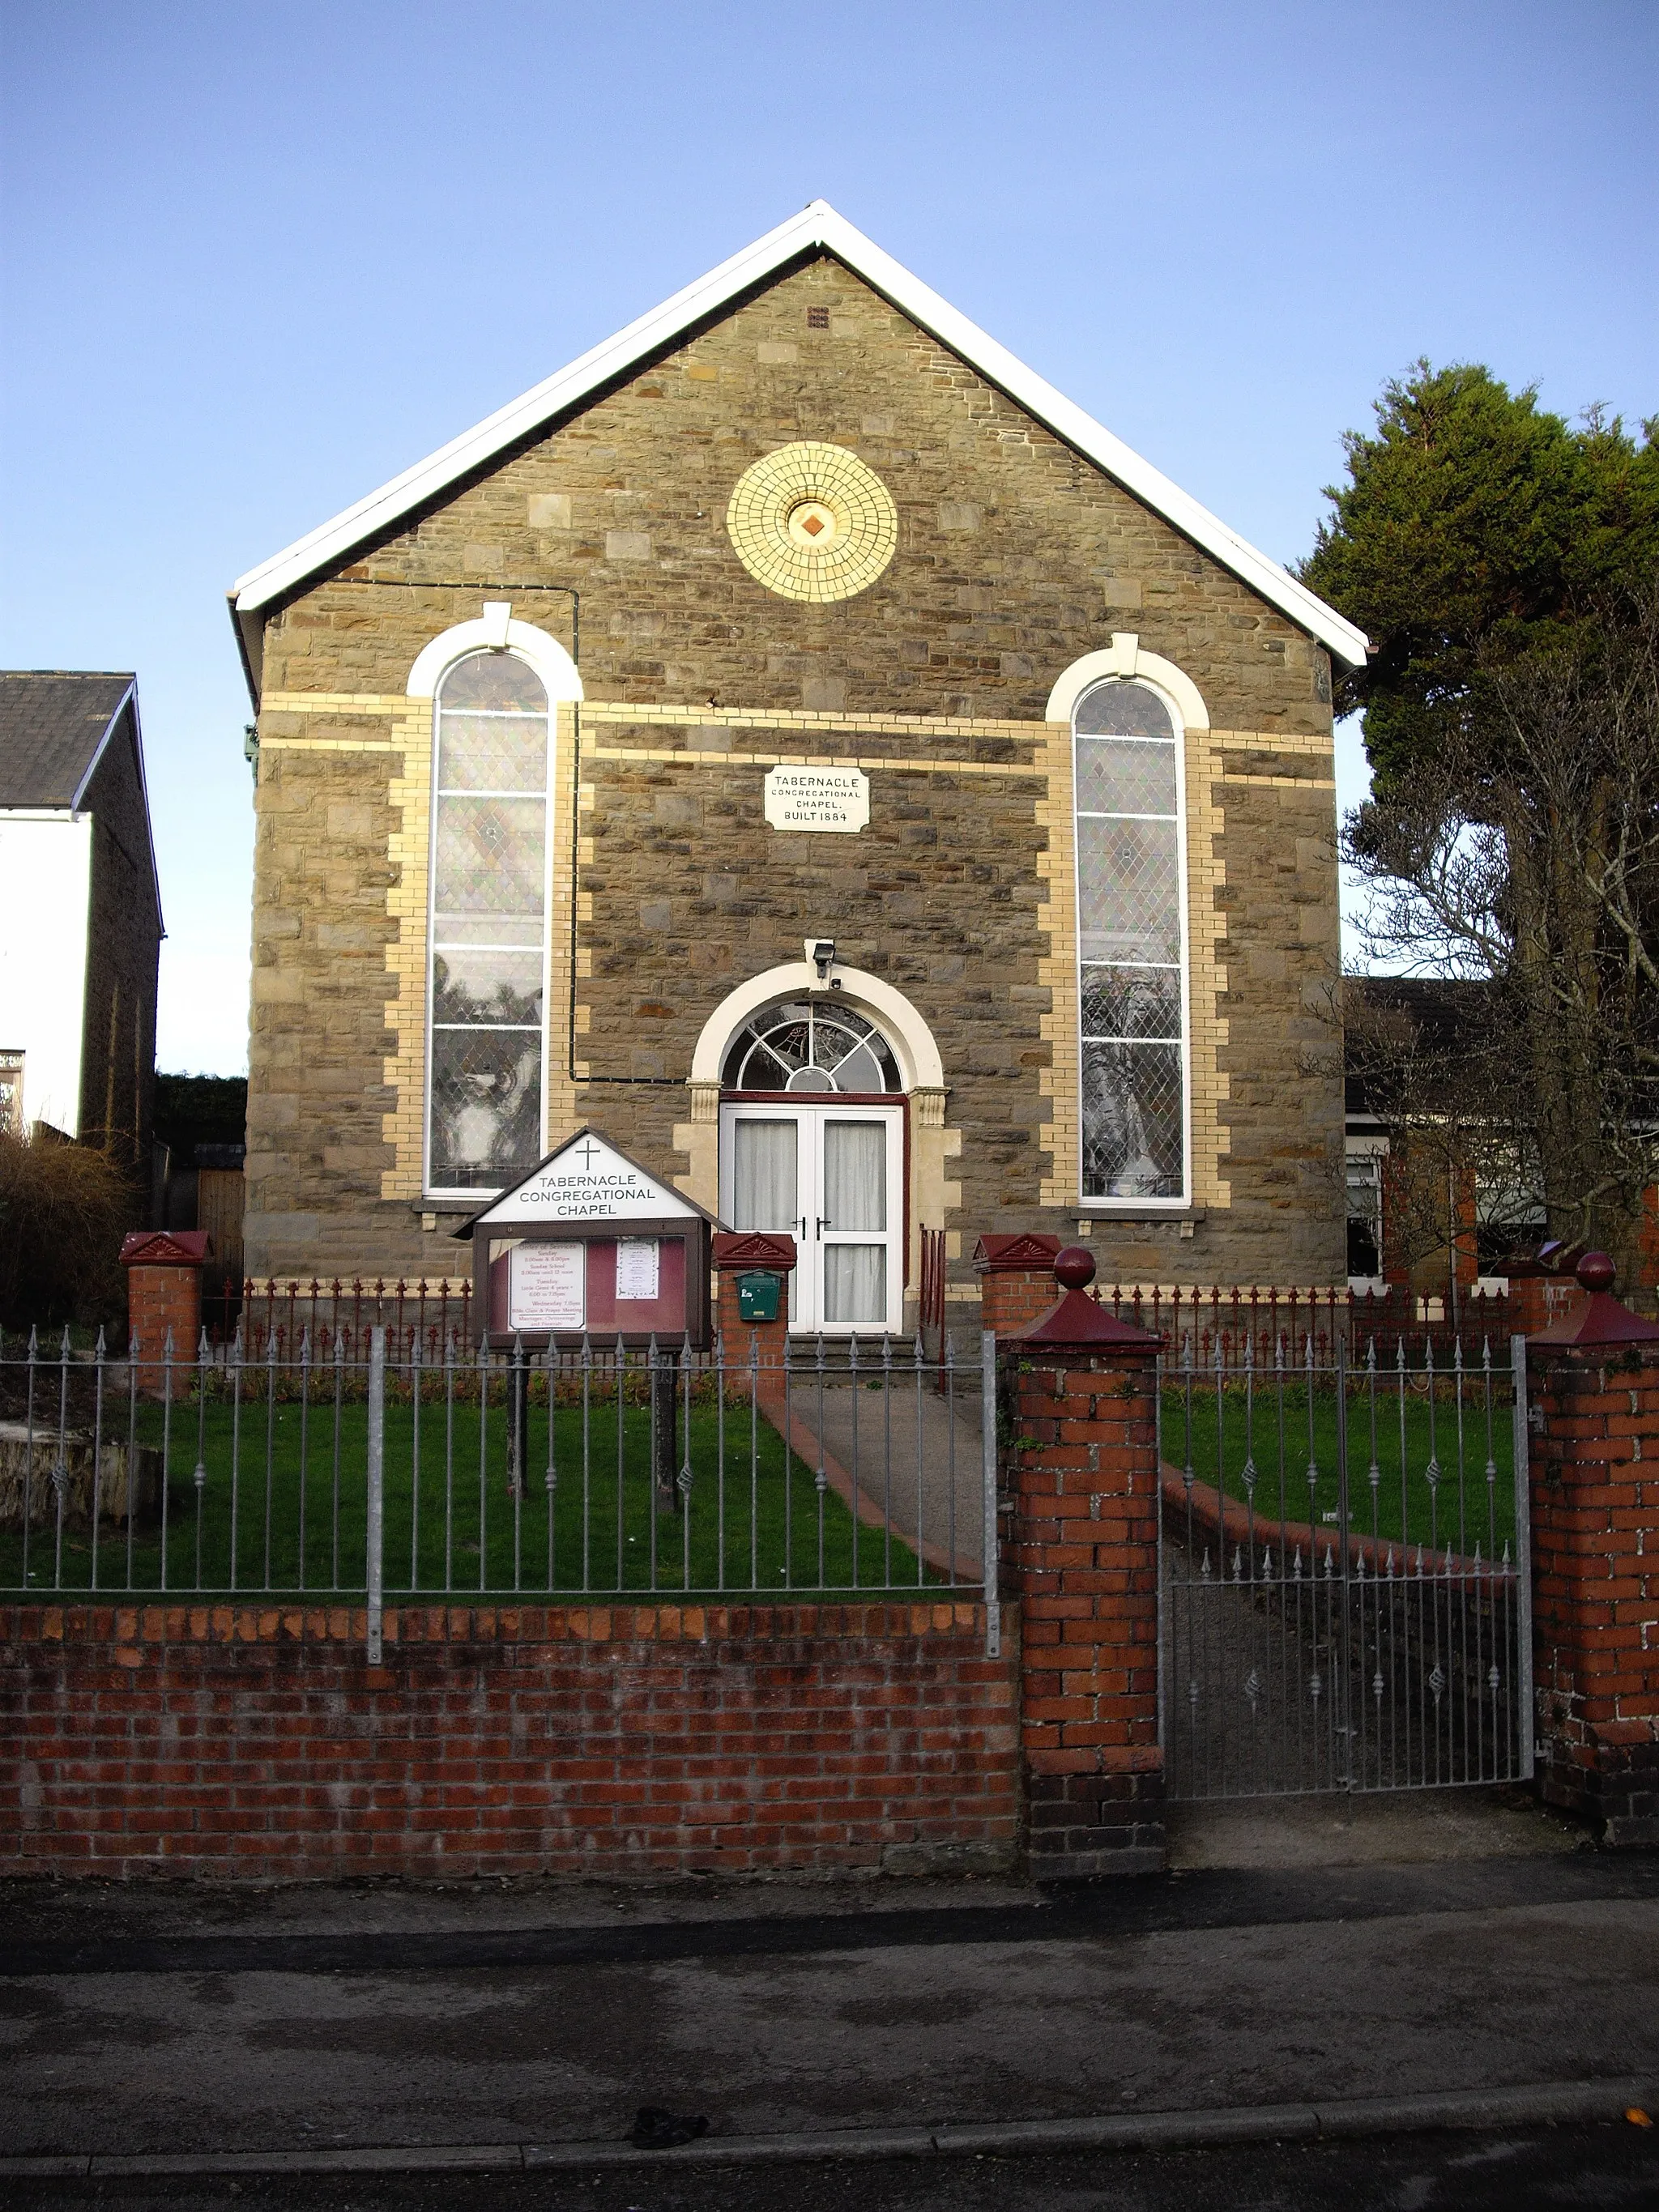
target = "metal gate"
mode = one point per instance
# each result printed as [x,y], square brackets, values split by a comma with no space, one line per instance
[1344,1567]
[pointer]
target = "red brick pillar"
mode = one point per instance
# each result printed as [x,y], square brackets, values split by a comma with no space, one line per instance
[1593,1387]
[746,1252]
[1080,1552]
[164,1297]
[1543,1291]
[1016,1278]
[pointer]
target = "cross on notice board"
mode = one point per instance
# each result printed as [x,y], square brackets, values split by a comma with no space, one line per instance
[586,1153]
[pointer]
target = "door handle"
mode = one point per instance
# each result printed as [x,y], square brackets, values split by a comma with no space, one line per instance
[825,1222]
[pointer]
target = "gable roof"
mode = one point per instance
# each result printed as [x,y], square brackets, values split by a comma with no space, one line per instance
[54,726]
[605,1185]
[816,229]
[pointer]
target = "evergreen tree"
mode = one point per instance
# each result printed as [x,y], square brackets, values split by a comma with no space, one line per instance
[1475,528]
[1506,568]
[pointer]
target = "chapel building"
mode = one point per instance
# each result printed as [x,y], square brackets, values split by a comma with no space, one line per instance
[798,743]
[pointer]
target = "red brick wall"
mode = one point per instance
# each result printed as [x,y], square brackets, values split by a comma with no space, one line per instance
[768,1335]
[241,1742]
[1082,1556]
[1009,1298]
[1595,1582]
[159,1300]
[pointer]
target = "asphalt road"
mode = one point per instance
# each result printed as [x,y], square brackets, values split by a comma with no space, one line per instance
[195,2022]
[1615,2167]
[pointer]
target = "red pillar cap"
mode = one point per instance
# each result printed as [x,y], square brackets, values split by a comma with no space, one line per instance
[165,1248]
[753,1248]
[1075,1321]
[1026,1250]
[1601,1320]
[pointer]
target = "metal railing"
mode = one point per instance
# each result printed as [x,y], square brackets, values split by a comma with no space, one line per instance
[1346,1570]
[284,1308]
[852,1465]
[1235,1324]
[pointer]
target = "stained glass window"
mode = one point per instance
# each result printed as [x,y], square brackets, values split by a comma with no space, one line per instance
[489,934]
[1131,942]
[810,1044]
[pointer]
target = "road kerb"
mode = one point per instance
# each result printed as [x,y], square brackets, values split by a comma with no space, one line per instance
[1520,2105]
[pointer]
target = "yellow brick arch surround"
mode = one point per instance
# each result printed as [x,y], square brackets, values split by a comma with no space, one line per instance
[811,522]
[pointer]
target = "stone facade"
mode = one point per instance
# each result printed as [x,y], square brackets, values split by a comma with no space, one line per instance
[124,952]
[1015,558]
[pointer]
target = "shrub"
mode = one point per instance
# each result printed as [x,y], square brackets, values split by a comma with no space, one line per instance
[63,1210]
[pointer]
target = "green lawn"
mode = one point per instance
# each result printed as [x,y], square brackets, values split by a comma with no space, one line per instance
[1462,1508]
[284,1507]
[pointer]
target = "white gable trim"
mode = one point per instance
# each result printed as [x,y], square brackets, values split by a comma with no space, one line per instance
[81,789]
[129,698]
[585,1181]
[816,227]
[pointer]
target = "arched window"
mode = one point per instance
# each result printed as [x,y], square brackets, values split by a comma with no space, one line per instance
[486,937]
[1131,944]
[808,1045]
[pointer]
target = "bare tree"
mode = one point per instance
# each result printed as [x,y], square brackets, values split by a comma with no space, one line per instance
[1524,856]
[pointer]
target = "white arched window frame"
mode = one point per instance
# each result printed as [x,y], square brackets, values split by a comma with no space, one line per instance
[1140,1192]
[825,1159]
[493,634]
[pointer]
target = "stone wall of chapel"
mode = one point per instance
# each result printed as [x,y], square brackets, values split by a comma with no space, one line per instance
[1015,558]
[317,1096]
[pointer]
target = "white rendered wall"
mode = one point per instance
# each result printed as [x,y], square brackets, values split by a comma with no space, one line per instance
[45,862]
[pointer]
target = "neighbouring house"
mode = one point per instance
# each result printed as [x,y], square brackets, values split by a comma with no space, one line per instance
[1437,1204]
[799,742]
[80,911]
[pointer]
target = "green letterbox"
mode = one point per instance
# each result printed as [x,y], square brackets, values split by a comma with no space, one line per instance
[757,1297]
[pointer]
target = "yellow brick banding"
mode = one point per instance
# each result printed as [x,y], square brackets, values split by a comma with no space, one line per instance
[871,763]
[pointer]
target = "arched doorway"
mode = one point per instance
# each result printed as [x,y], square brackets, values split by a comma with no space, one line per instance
[813,1143]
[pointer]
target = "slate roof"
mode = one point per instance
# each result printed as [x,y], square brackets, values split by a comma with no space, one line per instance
[53,726]
[1447,1016]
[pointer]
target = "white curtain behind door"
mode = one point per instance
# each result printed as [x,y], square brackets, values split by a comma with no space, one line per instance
[765,1177]
[855,1198]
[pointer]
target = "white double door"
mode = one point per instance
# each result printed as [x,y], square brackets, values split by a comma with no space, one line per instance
[832,1178]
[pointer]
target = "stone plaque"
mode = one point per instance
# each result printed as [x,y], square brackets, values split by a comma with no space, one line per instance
[817,798]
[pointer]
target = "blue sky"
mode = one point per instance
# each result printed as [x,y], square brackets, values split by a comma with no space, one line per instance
[252,262]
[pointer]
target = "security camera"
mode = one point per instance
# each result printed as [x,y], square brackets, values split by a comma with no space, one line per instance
[821,951]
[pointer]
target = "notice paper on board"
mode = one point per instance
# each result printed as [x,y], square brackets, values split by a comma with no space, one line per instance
[639,1268]
[547,1286]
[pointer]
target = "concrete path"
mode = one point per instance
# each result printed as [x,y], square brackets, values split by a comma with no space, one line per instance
[1408,1827]
[546,2013]
[905,1456]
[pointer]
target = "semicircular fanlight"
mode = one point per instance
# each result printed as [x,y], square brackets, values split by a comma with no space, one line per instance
[802,1045]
